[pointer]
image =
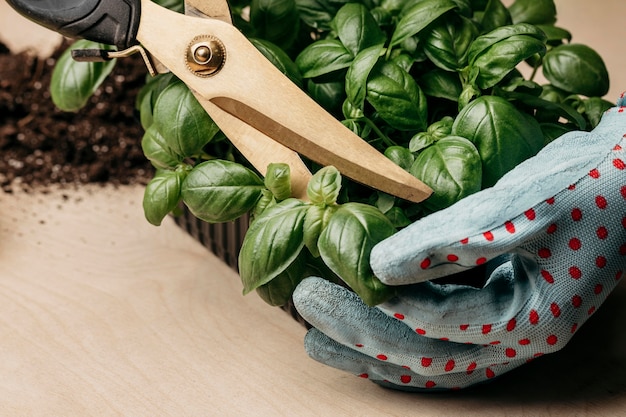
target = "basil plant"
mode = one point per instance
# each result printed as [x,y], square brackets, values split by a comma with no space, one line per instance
[437,86]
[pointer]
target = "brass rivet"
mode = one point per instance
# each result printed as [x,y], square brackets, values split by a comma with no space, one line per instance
[205,55]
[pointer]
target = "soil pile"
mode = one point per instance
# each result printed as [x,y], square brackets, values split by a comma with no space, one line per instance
[41,145]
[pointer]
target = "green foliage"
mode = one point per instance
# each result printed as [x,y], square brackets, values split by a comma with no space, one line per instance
[434,85]
[73,83]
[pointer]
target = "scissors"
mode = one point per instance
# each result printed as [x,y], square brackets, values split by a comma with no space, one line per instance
[267,117]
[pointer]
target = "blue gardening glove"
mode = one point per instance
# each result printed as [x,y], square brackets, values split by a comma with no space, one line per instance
[553,233]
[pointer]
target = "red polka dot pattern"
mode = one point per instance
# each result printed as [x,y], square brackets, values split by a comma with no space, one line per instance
[578,246]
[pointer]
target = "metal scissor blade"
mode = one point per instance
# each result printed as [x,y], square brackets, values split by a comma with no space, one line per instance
[350,154]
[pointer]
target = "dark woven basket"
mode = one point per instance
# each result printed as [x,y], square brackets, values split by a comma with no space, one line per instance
[224,240]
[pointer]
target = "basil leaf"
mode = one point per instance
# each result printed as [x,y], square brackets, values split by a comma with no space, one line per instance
[555,109]
[345,246]
[315,222]
[329,95]
[595,107]
[182,121]
[482,43]
[273,241]
[533,11]
[401,156]
[552,131]
[278,291]
[420,140]
[502,57]
[162,194]
[447,43]
[147,97]
[276,21]
[279,59]
[174,5]
[265,201]
[495,15]
[155,148]
[317,14]
[503,135]
[393,6]
[324,186]
[452,168]
[417,17]
[357,29]
[323,57]
[359,71]
[219,191]
[384,202]
[278,180]
[396,97]
[577,69]
[555,35]
[73,83]
[441,84]
[398,217]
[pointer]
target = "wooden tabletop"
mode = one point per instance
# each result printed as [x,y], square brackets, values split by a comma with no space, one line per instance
[102,314]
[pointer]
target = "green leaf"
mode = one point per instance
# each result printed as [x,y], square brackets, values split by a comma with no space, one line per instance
[552,131]
[323,188]
[273,241]
[482,43]
[174,5]
[147,97]
[441,84]
[315,222]
[73,83]
[398,217]
[418,16]
[502,58]
[276,21]
[219,191]
[155,148]
[278,180]
[577,69]
[317,14]
[182,121]
[452,168]
[357,29]
[330,95]
[533,11]
[495,15]
[545,107]
[595,107]
[396,97]
[555,35]
[358,73]
[345,246]
[279,59]
[446,44]
[421,140]
[162,194]
[503,135]
[323,57]
[278,291]
[401,156]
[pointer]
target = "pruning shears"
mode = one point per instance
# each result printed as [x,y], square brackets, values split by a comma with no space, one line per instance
[267,117]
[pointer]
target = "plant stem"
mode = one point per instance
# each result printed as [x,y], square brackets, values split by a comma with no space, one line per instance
[379,132]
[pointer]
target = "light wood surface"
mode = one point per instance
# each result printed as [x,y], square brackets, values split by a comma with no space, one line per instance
[102,314]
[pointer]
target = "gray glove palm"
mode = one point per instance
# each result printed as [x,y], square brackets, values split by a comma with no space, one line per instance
[553,232]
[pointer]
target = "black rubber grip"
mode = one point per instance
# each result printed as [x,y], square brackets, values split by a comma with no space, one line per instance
[114,22]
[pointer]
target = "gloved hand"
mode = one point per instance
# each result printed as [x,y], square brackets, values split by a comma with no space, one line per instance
[553,234]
